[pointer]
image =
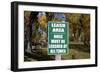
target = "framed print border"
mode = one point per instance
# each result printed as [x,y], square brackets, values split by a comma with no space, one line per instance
[14,35]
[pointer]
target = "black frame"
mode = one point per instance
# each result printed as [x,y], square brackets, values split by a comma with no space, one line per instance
[14,35]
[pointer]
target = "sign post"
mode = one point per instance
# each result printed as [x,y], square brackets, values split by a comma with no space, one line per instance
[57,38]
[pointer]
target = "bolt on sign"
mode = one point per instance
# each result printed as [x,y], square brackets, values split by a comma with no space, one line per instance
[57,38]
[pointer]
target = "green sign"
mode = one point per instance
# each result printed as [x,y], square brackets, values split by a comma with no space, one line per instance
[57,38]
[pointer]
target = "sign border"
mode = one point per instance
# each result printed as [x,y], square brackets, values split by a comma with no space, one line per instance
[67,38]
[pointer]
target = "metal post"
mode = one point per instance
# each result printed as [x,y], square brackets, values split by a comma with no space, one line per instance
[58,57]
